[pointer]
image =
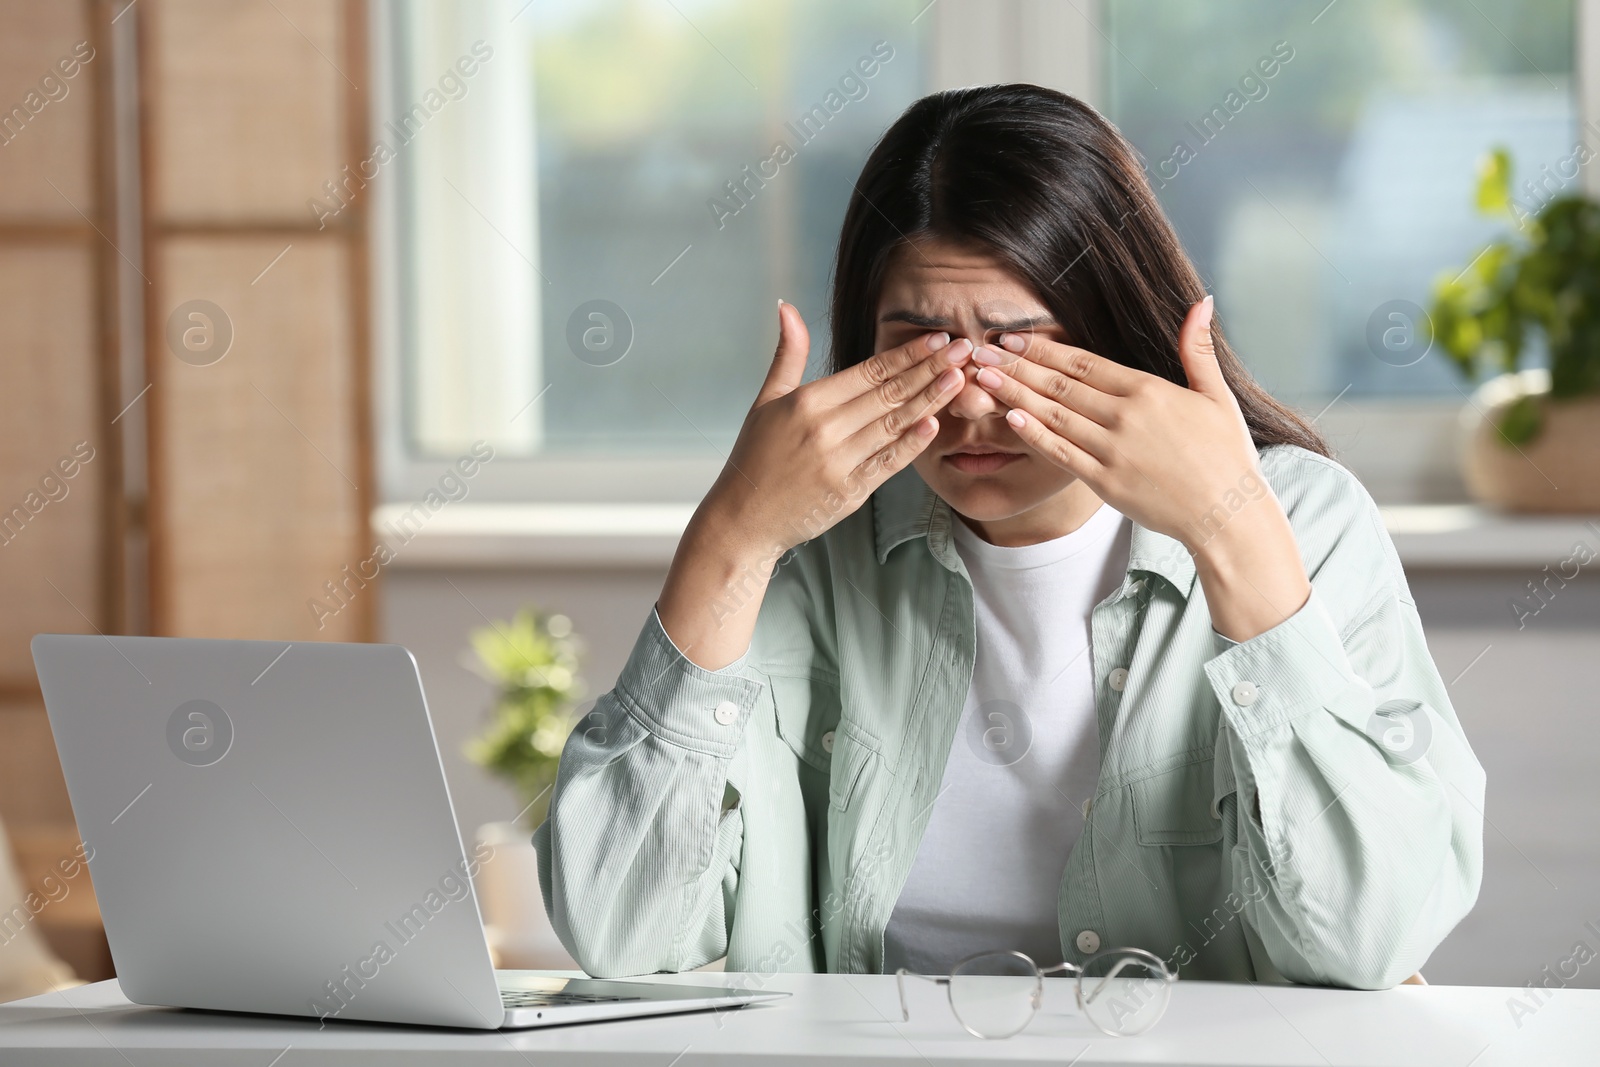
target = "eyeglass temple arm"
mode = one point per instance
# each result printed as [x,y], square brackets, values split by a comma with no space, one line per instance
[900,977]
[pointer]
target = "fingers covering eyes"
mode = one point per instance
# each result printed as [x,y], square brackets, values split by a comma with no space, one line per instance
[1108,376]
[1056,420]
[897,391]
[898,420]
[1064,389]
[880,369]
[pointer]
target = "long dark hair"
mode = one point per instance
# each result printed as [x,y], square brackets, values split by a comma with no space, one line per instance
[1046,184]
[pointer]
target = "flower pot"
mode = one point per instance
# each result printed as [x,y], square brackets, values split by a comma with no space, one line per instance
[1557,471]
[514,921]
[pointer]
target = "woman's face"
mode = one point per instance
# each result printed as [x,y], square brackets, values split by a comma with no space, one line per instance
[976,463]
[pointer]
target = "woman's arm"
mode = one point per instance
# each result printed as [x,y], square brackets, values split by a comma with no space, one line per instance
[639,858]
[1355,859]
[1358,813]
[807,456]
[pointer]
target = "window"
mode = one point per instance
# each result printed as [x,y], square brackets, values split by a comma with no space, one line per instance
[1319,162]
[590,229]
[601,188]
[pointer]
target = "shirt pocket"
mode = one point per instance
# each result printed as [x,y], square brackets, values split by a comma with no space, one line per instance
[1175,806]
[852,753]
[807,712]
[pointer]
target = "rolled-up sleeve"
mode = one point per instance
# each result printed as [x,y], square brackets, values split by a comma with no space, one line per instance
[638,859]
[1359,824]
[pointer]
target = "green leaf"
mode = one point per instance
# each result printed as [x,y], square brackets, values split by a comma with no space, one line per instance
[1494,183]
[1521,420]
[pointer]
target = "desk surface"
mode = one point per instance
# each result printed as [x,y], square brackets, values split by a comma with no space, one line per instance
[854,1017]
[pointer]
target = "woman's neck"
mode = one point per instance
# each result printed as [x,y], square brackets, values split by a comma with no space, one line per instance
[1053,517]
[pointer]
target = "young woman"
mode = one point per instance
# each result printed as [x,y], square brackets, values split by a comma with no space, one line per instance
[1037,625]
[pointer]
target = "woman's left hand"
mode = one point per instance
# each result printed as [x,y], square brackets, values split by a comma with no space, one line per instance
[1164,455]
[1176,460]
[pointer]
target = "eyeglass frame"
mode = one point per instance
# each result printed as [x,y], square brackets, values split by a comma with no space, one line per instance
[1035,998]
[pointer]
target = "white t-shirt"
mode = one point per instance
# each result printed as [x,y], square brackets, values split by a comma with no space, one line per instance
[1025,757]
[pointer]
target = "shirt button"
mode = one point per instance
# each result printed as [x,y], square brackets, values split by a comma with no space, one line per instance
[1119,679]
[1245,693]
[727,713]
[1138,587]
[827,741]
[1088,942]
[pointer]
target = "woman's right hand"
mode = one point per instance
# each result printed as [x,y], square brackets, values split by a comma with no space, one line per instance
[809,455]
[806,457]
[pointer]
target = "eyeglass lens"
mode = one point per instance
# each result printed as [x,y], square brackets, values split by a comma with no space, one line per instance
[1123,994]
[995,995]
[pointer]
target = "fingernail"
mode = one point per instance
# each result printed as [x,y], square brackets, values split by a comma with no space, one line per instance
[937,341]
[987,356]
[1012,342]
[926,427]
[1016,418]
[958,351]
[1205,316]
[949,379]
[988,378]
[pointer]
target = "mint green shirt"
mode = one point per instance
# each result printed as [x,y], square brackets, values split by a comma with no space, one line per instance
[1302,806]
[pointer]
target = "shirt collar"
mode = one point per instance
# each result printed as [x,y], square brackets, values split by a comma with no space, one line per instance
[904,507]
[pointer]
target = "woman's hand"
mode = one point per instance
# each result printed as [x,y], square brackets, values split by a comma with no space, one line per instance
[1159,453]
[806,457]
[1176,460]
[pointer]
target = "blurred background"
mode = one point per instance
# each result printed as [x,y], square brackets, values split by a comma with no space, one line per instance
[276,274]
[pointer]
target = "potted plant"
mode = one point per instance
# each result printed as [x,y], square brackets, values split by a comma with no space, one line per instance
[1531,436]
[532,660]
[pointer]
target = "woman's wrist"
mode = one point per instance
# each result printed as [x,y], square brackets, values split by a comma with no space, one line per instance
[727,531]
[1251,571]
[714,589]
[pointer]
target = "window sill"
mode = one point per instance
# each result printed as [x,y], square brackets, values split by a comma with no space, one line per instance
[1450,536]
[1428,536]
[535,535]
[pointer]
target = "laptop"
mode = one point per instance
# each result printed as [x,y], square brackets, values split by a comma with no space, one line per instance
[268,829]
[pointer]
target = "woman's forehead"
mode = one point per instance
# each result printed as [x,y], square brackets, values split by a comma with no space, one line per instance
[933,283]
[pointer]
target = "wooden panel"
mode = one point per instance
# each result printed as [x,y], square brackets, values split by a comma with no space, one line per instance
[246,103]
[51,139]
[48,865]
[49,524]
[257,456]
[48,859]
[32,790]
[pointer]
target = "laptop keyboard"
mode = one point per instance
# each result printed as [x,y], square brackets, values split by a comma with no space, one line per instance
[514,998]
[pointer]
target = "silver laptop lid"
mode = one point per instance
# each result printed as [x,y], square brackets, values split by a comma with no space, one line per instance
[268,827]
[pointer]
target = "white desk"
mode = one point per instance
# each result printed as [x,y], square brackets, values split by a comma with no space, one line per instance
[852,1018]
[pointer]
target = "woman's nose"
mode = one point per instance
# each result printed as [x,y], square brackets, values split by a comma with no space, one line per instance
[974,401]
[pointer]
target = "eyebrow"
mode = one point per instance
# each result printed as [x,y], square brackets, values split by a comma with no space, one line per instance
[935,322]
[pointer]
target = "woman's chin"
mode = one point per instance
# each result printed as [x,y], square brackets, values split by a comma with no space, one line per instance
[988,500]
[1008,491]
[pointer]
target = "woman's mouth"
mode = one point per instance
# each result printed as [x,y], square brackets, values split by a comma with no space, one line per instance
[980,462]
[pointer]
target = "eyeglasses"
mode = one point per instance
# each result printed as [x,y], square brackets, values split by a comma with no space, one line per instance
[1122,991]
